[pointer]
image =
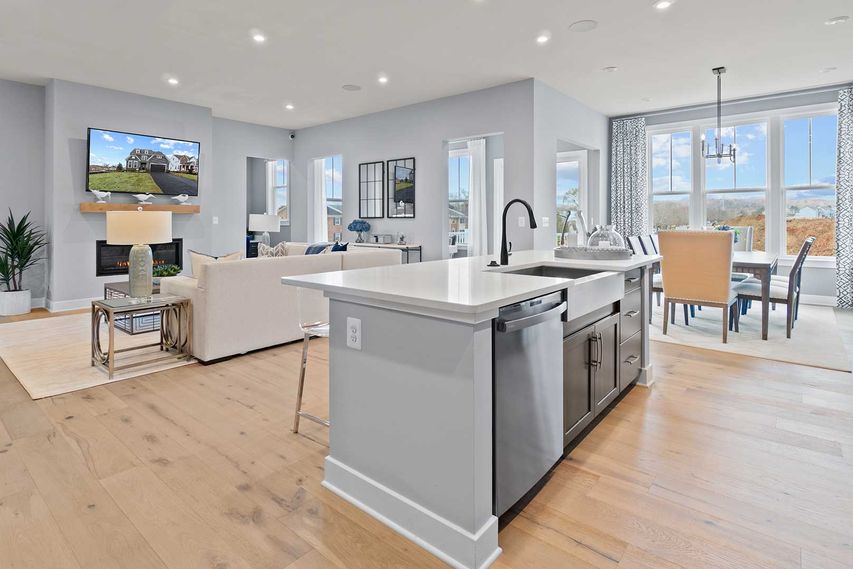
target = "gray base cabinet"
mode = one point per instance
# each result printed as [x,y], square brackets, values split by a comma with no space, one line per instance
[590,374]
[601,359]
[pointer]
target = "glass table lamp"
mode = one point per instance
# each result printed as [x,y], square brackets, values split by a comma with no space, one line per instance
[264,223]
[139,229]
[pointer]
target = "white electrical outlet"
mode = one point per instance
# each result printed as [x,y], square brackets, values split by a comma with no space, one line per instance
[215,220]
[546,222]
[522,222]
[353,333]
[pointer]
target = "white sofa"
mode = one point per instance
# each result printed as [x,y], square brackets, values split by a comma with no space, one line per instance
[240,306]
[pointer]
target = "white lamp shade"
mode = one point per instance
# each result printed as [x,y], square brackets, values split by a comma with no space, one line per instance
[261,222]
[139,227]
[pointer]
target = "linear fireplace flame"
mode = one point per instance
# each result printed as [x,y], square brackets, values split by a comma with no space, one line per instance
[112,260]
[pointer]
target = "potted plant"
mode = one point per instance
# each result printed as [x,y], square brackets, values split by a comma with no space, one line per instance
[359,226]
[161,271]
[20,243]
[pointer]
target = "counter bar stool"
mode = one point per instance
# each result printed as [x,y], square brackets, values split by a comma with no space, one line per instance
[314,325]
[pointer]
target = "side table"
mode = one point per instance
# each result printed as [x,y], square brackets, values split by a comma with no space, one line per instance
[175,314]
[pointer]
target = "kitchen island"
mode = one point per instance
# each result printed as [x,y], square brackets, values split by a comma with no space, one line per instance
[411,372]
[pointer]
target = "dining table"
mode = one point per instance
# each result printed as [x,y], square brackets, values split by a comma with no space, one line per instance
[761,265]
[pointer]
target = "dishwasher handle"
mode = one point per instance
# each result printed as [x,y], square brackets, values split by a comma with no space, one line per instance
[508,326]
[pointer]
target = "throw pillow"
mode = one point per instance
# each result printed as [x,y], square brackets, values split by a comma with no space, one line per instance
[279,250]
[317,248]
[339,247]
[198,259]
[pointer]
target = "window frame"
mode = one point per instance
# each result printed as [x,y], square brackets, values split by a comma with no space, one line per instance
[670,130]
[775,219]
[336,200]
[582,158]
[456,153]
[782,233]
[271,190]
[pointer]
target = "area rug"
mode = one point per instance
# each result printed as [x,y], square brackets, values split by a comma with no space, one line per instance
[50,356]
[816,340]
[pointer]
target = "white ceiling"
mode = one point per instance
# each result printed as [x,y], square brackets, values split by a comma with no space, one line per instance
[428,48]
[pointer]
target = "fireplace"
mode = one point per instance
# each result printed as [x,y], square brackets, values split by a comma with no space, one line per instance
[111,260]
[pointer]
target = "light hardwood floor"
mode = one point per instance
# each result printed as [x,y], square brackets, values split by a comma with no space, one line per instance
[729,462]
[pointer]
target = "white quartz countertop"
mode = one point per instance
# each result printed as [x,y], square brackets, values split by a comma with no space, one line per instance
[462,286]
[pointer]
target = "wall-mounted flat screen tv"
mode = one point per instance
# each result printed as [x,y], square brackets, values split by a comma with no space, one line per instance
[141,164]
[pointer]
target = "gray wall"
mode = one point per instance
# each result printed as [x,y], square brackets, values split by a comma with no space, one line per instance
[531,116]
[71,108]
[422,131]
[558,117]
[22,164]
[233,142]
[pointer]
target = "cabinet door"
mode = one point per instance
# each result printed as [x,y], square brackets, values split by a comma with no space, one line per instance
[605,362]
[578,402]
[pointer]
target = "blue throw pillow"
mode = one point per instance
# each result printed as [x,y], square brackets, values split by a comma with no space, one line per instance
[316,248]
[339,247]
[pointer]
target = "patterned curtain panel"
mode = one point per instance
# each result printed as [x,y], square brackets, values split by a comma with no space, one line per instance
[844,186]
[629,196]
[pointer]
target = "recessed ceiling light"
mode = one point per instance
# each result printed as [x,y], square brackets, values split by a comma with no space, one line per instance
[349,87]
[663,4]
[543,37]
[610,69]
[383,79]
[828,69]
[173,81]
[289,106]
[258,36]
[836,20]
[583,26]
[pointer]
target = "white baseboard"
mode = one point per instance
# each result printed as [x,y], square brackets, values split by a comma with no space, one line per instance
[37,303]
[818,300]
[447,541]
[62,305]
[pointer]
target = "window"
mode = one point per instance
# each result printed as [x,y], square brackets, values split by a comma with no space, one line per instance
[571,178]
[671,179]
[809,183]
[277,183]
[782,182]
[458,185]
[736,192]
[333,183]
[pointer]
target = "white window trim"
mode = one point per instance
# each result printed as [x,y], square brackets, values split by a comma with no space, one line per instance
[582,158]
[271,188]
[775,234]
[457,153]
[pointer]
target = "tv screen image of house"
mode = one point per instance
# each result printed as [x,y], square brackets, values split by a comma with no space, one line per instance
[132,163]
[404,185]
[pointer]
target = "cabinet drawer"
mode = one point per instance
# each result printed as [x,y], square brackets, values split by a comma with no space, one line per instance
[630,353]
[632,280]
[631,314]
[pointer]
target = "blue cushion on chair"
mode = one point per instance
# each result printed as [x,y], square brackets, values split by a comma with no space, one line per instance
[339,247]
[316,248]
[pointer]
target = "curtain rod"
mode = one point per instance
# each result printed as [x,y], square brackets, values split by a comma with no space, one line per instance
[784,95]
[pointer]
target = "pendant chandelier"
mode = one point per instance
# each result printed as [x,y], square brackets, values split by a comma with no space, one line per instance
[720,150]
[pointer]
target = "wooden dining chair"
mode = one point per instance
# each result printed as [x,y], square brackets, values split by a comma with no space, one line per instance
[782,290]
[697,270]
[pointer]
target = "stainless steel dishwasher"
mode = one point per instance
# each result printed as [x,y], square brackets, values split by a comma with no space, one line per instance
[528,395]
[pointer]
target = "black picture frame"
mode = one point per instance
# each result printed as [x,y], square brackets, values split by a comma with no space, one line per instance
[371,190]
[401,201]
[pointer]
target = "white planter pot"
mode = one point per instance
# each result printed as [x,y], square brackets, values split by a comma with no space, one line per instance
[14,303]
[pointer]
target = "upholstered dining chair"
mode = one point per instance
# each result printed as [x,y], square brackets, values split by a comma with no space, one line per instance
[783,290]
[697,271]
[745,234]
[314,322]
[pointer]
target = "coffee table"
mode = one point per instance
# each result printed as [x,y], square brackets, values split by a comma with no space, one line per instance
[175,312]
